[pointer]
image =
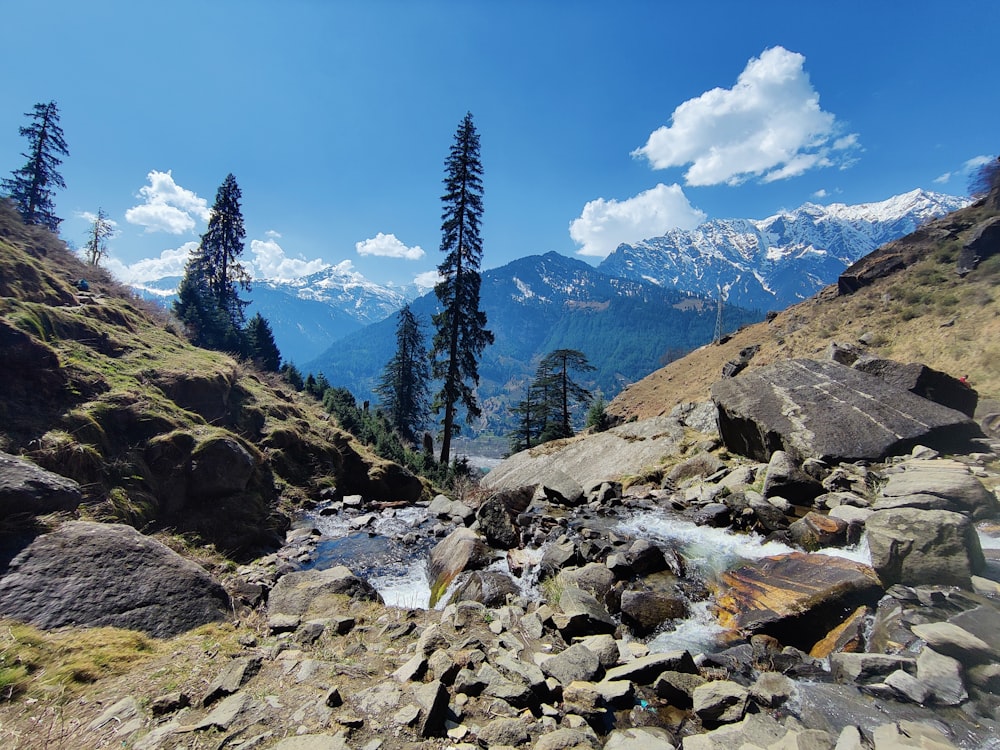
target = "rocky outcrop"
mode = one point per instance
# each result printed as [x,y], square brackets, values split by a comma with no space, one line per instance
[938,484]
[109,574]
[828,411]
[620,451]
[29,489]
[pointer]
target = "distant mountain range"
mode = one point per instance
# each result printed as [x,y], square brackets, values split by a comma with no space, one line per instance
[540,303]
[772,263]
[646,304]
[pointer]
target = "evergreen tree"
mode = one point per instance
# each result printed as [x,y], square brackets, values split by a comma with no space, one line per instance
[208,297]
[402,389]
[101,230]
[461,333]
[565,390]
[31,187]
[261,347]
[530,414]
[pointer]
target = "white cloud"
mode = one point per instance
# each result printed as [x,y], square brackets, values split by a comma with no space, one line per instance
[605,224]
[166,206]
[427,280]
[769,125]
[170,263]
[976,162]
[387,246]
[821,193]
[270,261]
[941,179]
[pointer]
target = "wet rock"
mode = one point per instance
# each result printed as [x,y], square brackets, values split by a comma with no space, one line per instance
[715,515]
[849,635]
[913,546]
[863,668]
[792,597]
[643,557]
[645,611]
[828,411]
[97,574]
[461,550]
[816,530]
[444,507]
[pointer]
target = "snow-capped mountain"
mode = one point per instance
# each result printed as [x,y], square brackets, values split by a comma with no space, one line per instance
[771,263]
[307,315]
[535,305]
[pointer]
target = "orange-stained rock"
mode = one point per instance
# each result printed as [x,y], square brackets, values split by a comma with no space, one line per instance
[847,636]
[795,597]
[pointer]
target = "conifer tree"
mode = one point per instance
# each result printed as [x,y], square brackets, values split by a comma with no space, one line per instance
[461,333]
[261,347]
[402,389]
[31,187]
[101,230]
[564,389]
[208,300]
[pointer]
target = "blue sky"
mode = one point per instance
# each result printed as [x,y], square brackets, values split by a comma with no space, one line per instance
[600,122]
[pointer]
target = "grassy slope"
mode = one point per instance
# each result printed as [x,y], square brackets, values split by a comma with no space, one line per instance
[106,382]
[922,313]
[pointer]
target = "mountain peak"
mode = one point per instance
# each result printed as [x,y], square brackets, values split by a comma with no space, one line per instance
[774,262]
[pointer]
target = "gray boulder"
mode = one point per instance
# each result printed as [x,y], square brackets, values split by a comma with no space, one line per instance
[498,517]
[620,451]
[828,411]
[97,575]
[317,593]
[581,614]
[785,478]
[720,701]
[26,487]
[489,587]
[645,611]
[915,547]
[940,484]
[923,381]
[575,663]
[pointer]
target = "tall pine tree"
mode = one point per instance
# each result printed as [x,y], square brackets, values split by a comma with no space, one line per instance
[31,187]
[564,391]
[402,390]
[461,333]
[208,300]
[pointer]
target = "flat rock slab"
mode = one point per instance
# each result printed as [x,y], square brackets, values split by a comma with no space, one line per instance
[620,451]
[795,597]
[939,484]
[832,412]
[316,593]
[98,574]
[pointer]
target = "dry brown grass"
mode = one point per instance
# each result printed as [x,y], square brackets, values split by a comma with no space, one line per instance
[924,313]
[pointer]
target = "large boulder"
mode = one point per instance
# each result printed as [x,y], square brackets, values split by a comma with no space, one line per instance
[794,597]
[318,593]
[620,451]
[923,381]
[828,411]
[462,549]
[28,488]
[924,547]
[109,575]
[940,484]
